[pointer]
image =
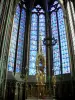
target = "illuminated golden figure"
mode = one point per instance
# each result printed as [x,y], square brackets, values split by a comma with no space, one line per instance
[40,71]
[40,76]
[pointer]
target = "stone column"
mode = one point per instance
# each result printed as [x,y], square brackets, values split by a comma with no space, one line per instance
[16,92]
[20,94]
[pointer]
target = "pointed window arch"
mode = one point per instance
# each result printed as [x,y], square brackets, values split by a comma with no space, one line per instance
[17,40]
[37,30]
[61,62]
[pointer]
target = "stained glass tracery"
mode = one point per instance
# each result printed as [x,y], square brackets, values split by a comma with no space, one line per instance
[37,31]
[60,50]
[13,42]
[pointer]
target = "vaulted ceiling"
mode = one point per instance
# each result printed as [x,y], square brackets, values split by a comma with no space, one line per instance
[35,2]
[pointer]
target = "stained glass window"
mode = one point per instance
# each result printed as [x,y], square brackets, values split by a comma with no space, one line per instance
[60,49]
[63,43]
[20,41]
[13,42]
[37,31]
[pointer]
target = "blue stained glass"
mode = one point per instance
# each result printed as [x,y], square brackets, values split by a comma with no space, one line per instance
[44,50]
[58,5]
[14,38]
[42,33]
[17,8]
[34,24]
[16,17]
[21,24]
[21,31]
[21,35]
[33,53]
[10,68]
[52,8]
[18,70]
[33,28]
[33,43]
[22,21]
[16,20]
[56,64]
[11,56]
[11,63]
[34,20]
[33,48]
[23,11]
[56,54]
[55,2]
[20,50]
[33,32]
[13,43]
[41,11]
[32,71]
[32,65]
[18,57]
[19,53]
[34,10]
[12,51]
[41,28]
[66,69]
[34,16]
[41,20]
[17,13]
[18,62]
[33,37]
[56,72]
[64,48]
[14,30]
[32,59]
[15,26]
[11,59]
[38,6]
[22,27]
[20,45]
[42,24]
[41,16]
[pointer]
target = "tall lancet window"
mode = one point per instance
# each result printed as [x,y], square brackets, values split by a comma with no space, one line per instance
[61,64]
[71,15]
[37,31]
[17,40]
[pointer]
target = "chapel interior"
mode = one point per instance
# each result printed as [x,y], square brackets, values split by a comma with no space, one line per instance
[37,49]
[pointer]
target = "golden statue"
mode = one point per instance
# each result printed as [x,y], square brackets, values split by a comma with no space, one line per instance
[40,74]
[40,77]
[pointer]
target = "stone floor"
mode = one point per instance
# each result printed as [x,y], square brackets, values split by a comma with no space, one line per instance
[34,98]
